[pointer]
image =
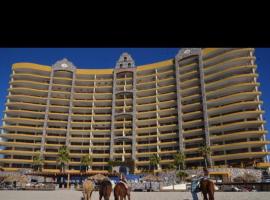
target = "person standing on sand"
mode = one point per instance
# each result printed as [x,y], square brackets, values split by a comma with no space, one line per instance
[195,183]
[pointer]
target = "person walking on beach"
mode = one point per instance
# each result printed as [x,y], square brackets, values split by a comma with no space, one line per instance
[195,183]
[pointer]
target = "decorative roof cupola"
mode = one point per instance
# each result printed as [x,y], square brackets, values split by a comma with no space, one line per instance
[186,52]
[125,61]
[64,64]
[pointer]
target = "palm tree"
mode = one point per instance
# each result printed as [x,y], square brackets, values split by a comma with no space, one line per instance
[37,162]
[154,161]
[86,160]
[63,157]
[205,151]
[179,160]
[182,175]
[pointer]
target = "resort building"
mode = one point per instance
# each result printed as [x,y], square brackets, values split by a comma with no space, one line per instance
[201,97]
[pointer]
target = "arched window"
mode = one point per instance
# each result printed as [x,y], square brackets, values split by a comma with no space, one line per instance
[125,58]
[121,65]
[129,64]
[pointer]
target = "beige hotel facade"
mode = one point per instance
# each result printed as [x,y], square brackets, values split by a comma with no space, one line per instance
[200,97]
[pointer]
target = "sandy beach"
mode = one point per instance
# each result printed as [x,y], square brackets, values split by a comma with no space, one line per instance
[77,195]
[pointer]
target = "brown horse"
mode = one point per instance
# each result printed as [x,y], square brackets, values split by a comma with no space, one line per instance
[207,187]
[88,188]
[105,189]
[121,192]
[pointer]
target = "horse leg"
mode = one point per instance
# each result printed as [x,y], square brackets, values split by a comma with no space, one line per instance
[90,195]
[204,195]
[211,195]
[211,192]
[100,196]
[84,196]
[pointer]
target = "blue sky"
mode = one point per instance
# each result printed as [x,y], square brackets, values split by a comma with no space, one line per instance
[106,58]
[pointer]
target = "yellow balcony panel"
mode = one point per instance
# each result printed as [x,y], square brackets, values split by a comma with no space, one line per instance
[51,162]
[10,169]
[194,159]
[99,163]
[22,104]
[193,131]
[244,104]
[166,161]
[50,153]
[121,130]
[231,61]
[230,89]
[100,147]
[25,111]
[53,145]
[20,144]
[121,154]
[15,152]
[167,152]
[188,98]
[141,162]
[148,144]
[193,140]
[22,128]
[58,113]
[146,136]
[184,67]
[126,146]
[20,136]
[23,65]
[122,122]
[214,84]
[100,155]
[5,160]
[30,76]
[192,123]
[193,72]
[146,153]
[192,150]
[23,120]
[56,129]
[22,82]
[100,138]
[228,53]
[243,67]
[240,145]
[171,135]
[146,104]
[80,138]
[29,90]
[166,126]
[240,155]
[55,137]
[145,121]
[233,97]
[62,78]
[236,115]
[237,135]
[22,96]
[191,105]
[167,143]
[146,128]
[236,125]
